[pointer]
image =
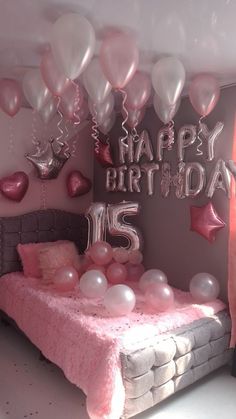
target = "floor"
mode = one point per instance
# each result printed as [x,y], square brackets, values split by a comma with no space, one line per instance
[30,387]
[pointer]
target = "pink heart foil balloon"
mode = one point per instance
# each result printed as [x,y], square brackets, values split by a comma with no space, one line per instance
[14,187]
[77,184]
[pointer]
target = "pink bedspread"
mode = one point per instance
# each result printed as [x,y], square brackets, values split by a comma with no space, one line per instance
[77,334]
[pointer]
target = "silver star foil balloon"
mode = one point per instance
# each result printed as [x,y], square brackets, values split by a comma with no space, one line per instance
[48,162]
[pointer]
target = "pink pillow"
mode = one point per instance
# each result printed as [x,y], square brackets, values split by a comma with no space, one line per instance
[29,255]
[51,258]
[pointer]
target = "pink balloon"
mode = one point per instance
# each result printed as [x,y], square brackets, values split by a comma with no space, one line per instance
[159,297]
[134,271]
[116,273]
[135,257]
[120,255]
[93,284]
[65,278]
[101,253]
[135,116]
[204,93]
[152,276]
[10,96]
[71,100]
[119,57]
[119,300]
[54,79]
[138,90]
[94,267]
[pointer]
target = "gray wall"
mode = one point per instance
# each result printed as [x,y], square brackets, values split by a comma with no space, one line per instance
[169,244]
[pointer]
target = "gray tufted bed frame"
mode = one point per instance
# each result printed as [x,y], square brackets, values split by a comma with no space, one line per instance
[154,372]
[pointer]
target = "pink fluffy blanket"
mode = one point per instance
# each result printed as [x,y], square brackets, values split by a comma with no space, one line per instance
[78,335]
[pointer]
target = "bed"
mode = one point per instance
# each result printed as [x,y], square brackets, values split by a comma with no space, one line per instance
[123,365]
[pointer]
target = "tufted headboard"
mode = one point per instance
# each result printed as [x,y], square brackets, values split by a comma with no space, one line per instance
[38,226]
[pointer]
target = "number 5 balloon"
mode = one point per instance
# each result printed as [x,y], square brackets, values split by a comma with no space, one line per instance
[73,44]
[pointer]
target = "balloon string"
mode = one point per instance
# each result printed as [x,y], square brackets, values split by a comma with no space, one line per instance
[35,142]
[134,134]
[199,151]
[77,120]
[126,133]
[59,126]
[67,148]
[11,138]
[95,132]
[171,141]
[43,195]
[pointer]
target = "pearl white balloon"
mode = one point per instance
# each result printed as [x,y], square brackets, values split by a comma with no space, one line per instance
[152,276]
[204,287]
[93,284]
[119,300]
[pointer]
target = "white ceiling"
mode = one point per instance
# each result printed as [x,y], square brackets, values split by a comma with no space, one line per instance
[200,32]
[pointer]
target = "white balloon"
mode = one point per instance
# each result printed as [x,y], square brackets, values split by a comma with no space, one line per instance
[35,90]
[107,125]
[102,111]
[93,284]
[95,82]
[164,111]
[119,300]
[168,78]
[49,110]
[204,287]
[72,44]
[152,276]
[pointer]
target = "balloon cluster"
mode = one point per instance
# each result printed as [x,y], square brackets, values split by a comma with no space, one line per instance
[110,274]
[70,73]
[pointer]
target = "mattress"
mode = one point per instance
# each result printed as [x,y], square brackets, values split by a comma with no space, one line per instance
[124,365]
[174,361]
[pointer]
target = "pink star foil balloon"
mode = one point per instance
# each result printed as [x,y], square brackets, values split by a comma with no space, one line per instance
[205,221]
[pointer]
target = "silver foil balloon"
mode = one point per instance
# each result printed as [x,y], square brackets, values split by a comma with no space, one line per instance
[177,180]
[48,162]
[232,167]
[143,147]
[211,137]
[191,168]
[111,176]
[165,139]
[120,187]
[116,214]
[150,169]
[134,176]
[126,149]
[219,179]
[186,137]
[96,215]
